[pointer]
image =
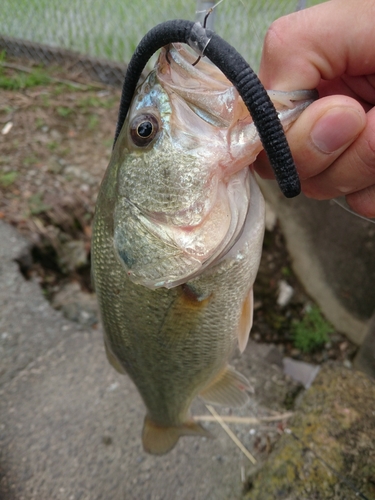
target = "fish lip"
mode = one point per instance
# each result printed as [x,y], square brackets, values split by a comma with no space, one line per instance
[184,57]
[178,58]
[162,218]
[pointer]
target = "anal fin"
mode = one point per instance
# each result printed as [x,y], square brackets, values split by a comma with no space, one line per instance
[227,389]
[158,439]
[246,321]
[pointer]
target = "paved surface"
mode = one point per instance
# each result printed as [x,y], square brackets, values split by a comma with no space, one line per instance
[70,425]
[333,254]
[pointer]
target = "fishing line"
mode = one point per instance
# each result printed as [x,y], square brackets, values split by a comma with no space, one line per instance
[347,209]
[208,12]
[211,8]
[254,26]
[239,73]
[250,20]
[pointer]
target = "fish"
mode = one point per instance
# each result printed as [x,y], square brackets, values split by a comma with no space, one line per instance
[177,241]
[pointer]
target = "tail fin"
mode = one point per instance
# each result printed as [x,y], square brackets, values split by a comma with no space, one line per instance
[158,440]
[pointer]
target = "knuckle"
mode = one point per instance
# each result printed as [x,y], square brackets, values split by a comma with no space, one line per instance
[363,202]
[276,35]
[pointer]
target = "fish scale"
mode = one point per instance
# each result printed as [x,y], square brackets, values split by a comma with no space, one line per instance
[187,341]
[177,240]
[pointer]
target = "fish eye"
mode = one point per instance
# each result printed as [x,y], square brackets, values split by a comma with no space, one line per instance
[143,129]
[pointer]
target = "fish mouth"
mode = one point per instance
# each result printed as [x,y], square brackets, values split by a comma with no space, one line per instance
[181,253]
[176,72]
[164,245]
[222,105]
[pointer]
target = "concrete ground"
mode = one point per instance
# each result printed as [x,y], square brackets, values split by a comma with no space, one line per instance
[70,425]
[333,255]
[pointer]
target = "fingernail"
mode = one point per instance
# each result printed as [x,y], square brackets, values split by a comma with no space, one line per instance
[337,128]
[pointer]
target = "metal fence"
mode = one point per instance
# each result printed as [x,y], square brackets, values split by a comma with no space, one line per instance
[111,29]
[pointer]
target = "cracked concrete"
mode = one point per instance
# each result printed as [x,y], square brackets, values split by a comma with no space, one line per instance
[333,257]
[70,425]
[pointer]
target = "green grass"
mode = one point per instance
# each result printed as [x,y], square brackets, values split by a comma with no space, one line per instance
[63,111]
[20,80]
[92,122]
[8,178]
[39,123]
[37,205]
[30,160]
[95,102]
[113,29]
[286,271]
[52,145]
[312,332]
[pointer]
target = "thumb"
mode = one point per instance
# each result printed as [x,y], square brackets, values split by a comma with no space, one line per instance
[320,135]
[323,132]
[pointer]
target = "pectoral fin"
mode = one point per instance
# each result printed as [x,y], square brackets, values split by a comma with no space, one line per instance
[158,439]
[227,389]
[246,321]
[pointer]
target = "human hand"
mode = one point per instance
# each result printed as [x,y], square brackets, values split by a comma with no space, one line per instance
[329,47]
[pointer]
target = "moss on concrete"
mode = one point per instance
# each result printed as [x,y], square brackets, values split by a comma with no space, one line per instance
[335,421]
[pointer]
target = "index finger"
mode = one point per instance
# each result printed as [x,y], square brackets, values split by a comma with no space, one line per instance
[322,42]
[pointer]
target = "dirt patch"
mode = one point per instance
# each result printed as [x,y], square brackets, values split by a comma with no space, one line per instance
[275,323]
[54,148]
[55,143]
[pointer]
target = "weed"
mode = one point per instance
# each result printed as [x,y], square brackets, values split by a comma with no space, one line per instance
[52,145]
[92,122]
[285,271]
[37,205]
[30,160]
[46,100]
[39,123]
[7,109]
[63,111]
[59,89]
[64,151]
[96,102]
[20,81]
[312,332]
[8,178]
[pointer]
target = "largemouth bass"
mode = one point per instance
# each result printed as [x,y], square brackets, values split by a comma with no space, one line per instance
[177,241]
